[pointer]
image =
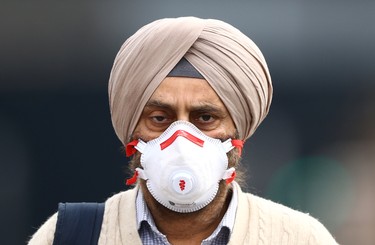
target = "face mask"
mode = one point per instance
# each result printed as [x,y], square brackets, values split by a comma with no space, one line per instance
[183,166]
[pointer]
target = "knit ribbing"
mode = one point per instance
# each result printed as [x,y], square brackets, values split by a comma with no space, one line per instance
[262,225]
[286,229]
[273,223]
[108,220]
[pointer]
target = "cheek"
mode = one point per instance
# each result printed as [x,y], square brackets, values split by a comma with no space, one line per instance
[224,131]
[137,133]
[142,132]
[230,128]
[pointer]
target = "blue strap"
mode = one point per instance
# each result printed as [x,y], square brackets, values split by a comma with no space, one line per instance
[78,223]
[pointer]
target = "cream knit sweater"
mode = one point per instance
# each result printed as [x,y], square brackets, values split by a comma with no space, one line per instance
[258,221]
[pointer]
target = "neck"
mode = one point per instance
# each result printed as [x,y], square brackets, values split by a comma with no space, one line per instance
[189,228]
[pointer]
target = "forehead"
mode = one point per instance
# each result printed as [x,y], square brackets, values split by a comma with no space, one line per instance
[177,90]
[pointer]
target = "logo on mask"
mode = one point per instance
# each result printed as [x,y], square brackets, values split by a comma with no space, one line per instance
[182,185]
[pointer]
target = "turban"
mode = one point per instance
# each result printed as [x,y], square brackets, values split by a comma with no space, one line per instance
[230,62]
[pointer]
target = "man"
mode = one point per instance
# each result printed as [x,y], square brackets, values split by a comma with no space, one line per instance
[184,94]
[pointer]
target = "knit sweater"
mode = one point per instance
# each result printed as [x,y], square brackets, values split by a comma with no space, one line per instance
[258,221]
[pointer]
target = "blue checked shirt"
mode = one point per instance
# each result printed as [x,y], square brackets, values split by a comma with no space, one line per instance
[150,235]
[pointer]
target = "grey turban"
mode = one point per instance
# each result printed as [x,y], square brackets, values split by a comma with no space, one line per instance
[230,62]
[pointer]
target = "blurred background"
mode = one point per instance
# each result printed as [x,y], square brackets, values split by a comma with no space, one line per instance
[315,151]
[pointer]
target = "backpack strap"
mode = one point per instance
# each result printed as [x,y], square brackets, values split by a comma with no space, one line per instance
[78,223]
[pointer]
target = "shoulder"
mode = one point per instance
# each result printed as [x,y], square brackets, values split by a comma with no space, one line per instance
[262,221]
[45,234]
[290,224]
[114,202]
[119,218]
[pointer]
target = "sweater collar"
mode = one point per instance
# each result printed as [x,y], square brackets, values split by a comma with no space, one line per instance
[144,214]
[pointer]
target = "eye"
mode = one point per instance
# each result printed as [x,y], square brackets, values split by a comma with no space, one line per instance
[159,119]
[206,122]
[205,118]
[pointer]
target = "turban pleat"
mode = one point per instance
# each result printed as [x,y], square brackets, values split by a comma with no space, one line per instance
[230,62]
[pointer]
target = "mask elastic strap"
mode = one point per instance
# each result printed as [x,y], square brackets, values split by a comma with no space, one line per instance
[130,148]
[133,179]
[138,173]
[229,175]
[229,144]
[239,145]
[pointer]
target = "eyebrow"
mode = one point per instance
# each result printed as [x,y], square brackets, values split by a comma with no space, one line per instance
[208,108]
[158,103]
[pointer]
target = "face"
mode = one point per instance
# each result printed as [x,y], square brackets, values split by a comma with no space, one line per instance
[192,100]
[187,99]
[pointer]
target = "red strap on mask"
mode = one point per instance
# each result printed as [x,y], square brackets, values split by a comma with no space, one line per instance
[239,145]
[229,180]
[130,148]
[133,179]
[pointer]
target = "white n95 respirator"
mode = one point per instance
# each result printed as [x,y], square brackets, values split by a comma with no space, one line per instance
[183,166]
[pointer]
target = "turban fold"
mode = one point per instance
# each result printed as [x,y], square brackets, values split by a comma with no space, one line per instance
[230,62]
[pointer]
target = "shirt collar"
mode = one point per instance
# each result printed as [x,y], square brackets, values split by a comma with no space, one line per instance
[143,213]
